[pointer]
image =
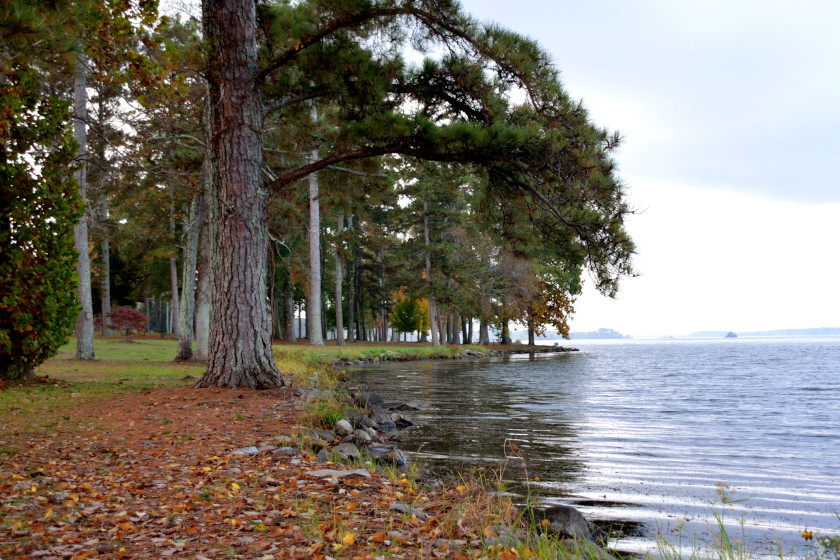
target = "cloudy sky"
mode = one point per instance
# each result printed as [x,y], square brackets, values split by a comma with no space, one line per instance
[731,118]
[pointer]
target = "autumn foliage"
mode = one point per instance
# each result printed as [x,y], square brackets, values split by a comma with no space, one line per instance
[128,320]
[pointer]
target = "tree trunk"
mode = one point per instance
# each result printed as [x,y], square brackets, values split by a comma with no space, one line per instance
[483,330]
[351,292]
[289,315]
[505,332]
[105,249]
[469,332]
[432,305]
[209,214]
[173,263]
[531,340]
[84,321]
[383,301]
[339,281]
[313,305]
[456,327]
[186,320]
[240,328]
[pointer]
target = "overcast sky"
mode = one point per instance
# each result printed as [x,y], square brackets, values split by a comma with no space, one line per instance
[730,115]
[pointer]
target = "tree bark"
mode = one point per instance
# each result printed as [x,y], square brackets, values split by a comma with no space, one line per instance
[483,330]
[105,249]
[531,338]
[351,294]
[173,264]
[240,328]
[456,327]
[186,319]
[289,315]
[505,333]
[383,307]
[339,281]
[209,214]
[84,321]
[313,306]
[432,305]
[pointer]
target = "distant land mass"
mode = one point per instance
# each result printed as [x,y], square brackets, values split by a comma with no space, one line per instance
[823,331]
[600,333]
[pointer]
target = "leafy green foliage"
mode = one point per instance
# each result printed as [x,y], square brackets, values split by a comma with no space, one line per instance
[38,206]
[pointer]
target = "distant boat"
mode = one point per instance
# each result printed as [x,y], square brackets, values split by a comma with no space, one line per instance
[731,334]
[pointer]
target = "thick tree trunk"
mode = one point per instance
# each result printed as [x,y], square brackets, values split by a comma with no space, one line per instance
[469,335]
[240,328]
[186,319]
[432,310]
[105,249]
[505,333]
[383,302]
[339,281]
[84,321]
[531,337]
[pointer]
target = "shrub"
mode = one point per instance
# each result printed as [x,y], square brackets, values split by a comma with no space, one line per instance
[128,320]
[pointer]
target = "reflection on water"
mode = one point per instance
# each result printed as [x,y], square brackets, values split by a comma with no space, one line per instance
[645,431]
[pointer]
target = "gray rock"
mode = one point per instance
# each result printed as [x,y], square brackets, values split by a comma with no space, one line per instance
[315,394]
[371,432]
[361,436]
[384,420]
[333,473]
[385,455]
[371,400]
[348,449]
[246,451]
[266,448]
[401,421]
[324,456]
[288,451]
[564,521]
[347,439]
[343,428]
[361,420]
[409,510]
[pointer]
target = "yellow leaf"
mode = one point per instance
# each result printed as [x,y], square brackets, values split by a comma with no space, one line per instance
[17,477]
[207,469]
[351,506]
[234,486]
[807,535]
[348,539]
[460,489]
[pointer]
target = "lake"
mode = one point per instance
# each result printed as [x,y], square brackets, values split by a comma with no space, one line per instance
[645,431]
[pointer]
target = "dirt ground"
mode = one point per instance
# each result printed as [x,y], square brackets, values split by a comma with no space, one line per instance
[151,475]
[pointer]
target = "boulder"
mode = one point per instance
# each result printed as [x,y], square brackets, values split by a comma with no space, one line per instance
[409,510]
[348,449]
[565,521]
[343,428]
[361,420]
[361,436]
[370,400]
[386,455]
[288,451]
[252,450]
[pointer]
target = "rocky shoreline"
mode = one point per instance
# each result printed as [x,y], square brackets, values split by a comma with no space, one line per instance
[371,430]
[467,353]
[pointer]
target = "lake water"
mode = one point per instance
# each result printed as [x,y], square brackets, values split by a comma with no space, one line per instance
[646,431]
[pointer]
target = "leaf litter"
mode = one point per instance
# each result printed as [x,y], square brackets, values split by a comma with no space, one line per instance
[153,475]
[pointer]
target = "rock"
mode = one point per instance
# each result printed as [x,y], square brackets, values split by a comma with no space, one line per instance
[323,456]
[361,420]
[402,422]
[399,407]
[565,521]
[371,432]
[384,420]
[104,548]
[385,455]
[246,451]
[348,449]
[371,400]
[288,451]
[343,428]
[266,448]
[361,436]
[333,473]
[409,510]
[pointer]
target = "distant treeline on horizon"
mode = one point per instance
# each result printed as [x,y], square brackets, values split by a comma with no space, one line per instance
[822,331]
